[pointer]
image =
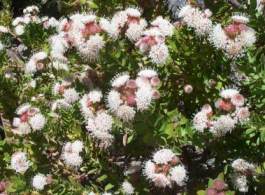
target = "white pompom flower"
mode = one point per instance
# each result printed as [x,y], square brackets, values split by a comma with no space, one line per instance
[77,146]
[200,121]
[243,166]
[19,29]
[73,159]
[37,122]
[218,37]
[19,162]
[95,96]
[126,113]
[179,175]
[90,49]
[134,32]
[127,188]
[39,181]
[71,153]
[164,26]
[70,95]
[223,125]
[159,54]
[103,122]
[100,128]
[143,98]
[196,19]
[114,100]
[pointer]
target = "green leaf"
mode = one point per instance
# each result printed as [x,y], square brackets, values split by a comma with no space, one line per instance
[108,187]
[200,192]
[17,184]
[102,178]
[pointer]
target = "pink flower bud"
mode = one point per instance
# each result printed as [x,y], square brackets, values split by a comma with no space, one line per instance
[2,186]
[155,81]
[40,66]
[188,89]
[219,185]
[211,191]
[49,179]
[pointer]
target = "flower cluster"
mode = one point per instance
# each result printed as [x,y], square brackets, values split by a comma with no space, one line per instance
[242,170]
[129,95]
[165,169]
[199,20]
[127,21]
[31,16]
[232,109]
[80,31]
[71,153]
[153,40]
[19,162]
[98,121]
[66,92]
[29,119]
[235,37]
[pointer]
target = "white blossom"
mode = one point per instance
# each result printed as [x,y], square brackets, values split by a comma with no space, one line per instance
[127,188]
[19,162]
[179,175]
[37,122]
[159,54]
[222,125]
[70,95]
[39,181]
[163,156]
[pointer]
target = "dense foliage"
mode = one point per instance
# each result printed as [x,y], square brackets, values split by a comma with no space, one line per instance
[132,97]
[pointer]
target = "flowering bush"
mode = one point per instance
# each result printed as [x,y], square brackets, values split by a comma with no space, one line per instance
[132,97]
